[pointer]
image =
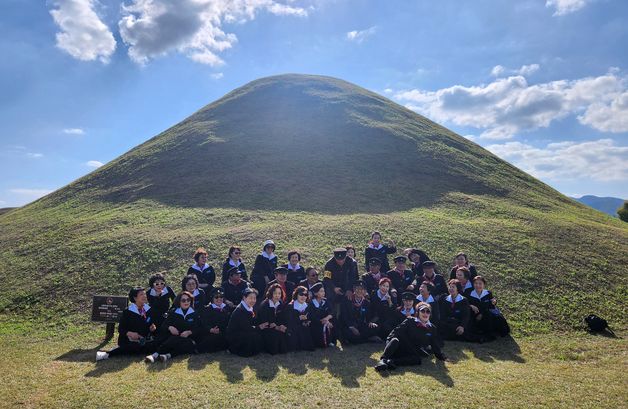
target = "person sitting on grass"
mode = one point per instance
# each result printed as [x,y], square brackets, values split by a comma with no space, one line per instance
[214,320]
[431,276]
[190,284]
[243,333]
[311,278]
[356,318]
[417,257]
[137,329]
[402,278]
[271,318]
[159,297]
[233,260]
[179,330]
[406,309]
[205,273]
[384,307]
[486,317]
[296,272]
[454,314]
[461,260]
[371,278]
[415,338]
[462,275]
[233,287]
[425,295]
[281,278]
[298,321]
[323,323]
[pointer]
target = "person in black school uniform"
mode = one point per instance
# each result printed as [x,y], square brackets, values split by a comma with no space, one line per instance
[417,258]
[461,260]
[486,317]
[265,265]
[406,309]
[234,287]
[384,306]
[463,275]
[353,255]
[401,278]
[179,330]
[311,278]
[337,277]
[205,274]
[296,272]
[243,334]
[214,320]
[414,339]
[425,295]
[136,330]
[431,276]
[372,277]
[271,318]
[190,284]
[381,251]
[281,278]
[356,324]
[233,260]
[454,314]
[298,321]
[323,324]
[159,297]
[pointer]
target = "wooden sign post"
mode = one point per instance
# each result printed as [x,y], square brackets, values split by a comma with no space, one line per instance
[108,309]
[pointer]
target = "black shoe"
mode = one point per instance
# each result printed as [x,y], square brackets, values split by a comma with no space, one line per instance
[390,363]
[382,365]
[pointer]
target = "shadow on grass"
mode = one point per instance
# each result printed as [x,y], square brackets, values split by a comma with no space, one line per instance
[502,349]
[432,367]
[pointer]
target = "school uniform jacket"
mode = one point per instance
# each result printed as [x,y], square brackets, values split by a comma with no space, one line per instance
[418,335]
[215,316]
[132,321]
[355,315]
[295,275]
[482,301]
[440,286]
[183,321]
[372,284]
[266,313]
[400,281]
[473,272]
[264,267]
[455,313]
[289,289]
[434,304]
[381,253]
[336,275]
[233,292]
[242,324]
[160,303]
[200,299]
[205,275]
[227,265]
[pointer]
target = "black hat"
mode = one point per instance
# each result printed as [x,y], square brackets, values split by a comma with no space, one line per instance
[359,283]
[400,259]
[429,263]
[375,262]
[281,270]
[408,296]
[316,288]
[216,292]
[340,253]
[247,291]
[233,270]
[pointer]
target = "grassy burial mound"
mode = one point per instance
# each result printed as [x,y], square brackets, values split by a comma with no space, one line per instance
[313,162]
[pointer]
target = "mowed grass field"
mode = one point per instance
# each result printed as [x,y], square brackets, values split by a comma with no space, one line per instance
[53,367]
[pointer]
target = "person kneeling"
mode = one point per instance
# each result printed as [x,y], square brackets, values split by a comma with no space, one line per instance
[413,339]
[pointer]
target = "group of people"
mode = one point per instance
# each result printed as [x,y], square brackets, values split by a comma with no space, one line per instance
[280,308]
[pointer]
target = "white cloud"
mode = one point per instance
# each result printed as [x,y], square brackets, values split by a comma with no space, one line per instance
[217,75]
[30,193]
[601,160]
[83,35]
[360,35]
[498,70]
[94,164]
[524,70]
[33,155]
[74,131]
[563,7]
[153,28]
[510,105]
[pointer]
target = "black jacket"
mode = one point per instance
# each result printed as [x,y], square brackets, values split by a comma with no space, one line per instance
[455,314]
[440,286]
[381,253]
[412,332]
[400,281]
[242,324]
[215,317]
[338,276]
[353,315]
[161,303]
[233,292]
[133,322]
[206,275]
[264,267]
[473,272]
[226,267]
[188,322]
[295,275]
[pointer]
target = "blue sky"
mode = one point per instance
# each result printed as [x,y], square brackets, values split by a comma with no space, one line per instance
[541,83]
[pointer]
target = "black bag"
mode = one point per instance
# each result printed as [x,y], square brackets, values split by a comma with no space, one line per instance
[597,324]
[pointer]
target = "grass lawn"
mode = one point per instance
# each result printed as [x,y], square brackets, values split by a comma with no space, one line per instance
[54,367]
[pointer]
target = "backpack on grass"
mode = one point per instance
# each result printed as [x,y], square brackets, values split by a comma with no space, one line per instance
[597,324]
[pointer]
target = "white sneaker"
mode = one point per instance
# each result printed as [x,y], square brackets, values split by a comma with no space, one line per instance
[150,359]
[164,358]
[101,356]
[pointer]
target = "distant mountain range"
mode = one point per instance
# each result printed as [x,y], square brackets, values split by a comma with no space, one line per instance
[607,205]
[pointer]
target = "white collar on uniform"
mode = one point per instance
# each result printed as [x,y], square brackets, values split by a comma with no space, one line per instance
[458,298]
[467,285]
[298,266]
[268,256]
[403,311]
[196,292]
[317,304]
[196,267]
[154,293]
[429,299]
[475,295]
[188,312]
[133,308]
[274,305]
[231,263]
[221,306]
[380,296]
[298,306]
[379,246]
[427,324]
[246,307]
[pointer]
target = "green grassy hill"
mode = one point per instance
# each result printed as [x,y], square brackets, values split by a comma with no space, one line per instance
[313,162]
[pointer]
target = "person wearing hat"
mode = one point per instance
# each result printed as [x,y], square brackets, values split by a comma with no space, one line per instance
[296,272]
[417,257]
[375,248]
[323,325]
[415,338]
[356,317]
[205,274]
[371,278]
[244,336]
[214,320]
[431,276]
[401,277]
[272,317]
[337,277]
[406,309]
[281,278]
[264,267]
[233,287]
[298,320]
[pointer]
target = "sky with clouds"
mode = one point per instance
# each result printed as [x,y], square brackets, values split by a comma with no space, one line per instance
[542,84]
